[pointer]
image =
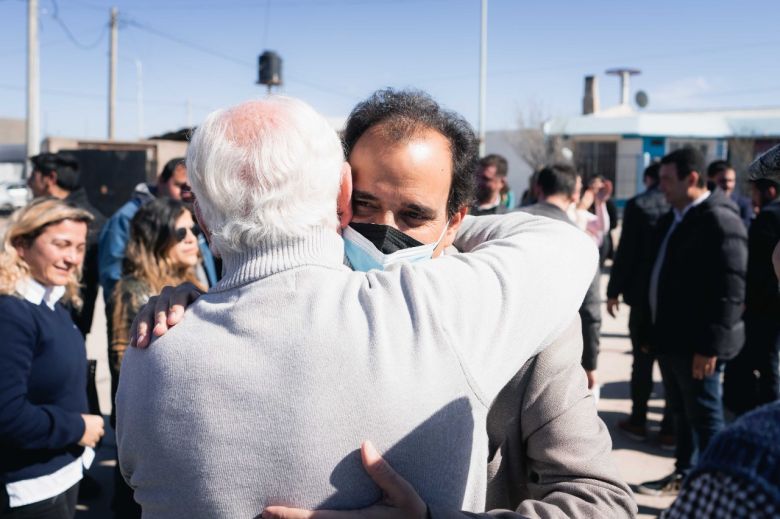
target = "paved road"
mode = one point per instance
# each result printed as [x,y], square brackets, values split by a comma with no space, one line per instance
[637,461]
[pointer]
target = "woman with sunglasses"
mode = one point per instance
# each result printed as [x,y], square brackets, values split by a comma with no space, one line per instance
[45,431]
[162,250]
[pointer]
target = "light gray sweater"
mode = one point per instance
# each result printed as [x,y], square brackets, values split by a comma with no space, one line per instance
[264,392]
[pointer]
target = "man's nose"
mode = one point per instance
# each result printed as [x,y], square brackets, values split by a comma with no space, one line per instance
[386,218]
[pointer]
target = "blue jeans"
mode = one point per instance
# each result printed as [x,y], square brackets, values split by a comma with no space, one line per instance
[695,404]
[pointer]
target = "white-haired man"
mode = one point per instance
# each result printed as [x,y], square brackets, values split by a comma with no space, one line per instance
[260,396]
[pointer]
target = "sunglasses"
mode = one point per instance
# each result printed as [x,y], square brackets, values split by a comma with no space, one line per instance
[180,233]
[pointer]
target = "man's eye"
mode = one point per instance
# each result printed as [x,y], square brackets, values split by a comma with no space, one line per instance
[362,203]
[414,216]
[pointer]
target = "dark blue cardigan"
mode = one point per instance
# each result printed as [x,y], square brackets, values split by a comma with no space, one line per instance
[43,378]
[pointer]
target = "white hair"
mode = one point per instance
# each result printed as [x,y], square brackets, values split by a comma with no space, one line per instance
[265,171]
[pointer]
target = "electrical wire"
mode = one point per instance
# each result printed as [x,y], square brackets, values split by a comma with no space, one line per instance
[266,23]
[201,48]
[86,46]
[160,34]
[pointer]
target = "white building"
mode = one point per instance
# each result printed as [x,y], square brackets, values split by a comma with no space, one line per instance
[620,142]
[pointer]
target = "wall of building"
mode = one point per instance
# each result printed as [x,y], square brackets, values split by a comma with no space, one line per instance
[13,131]
[630,166]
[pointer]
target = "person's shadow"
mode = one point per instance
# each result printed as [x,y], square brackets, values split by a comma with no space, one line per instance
[434,458]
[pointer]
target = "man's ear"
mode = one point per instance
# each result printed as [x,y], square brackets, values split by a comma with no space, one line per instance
[344,200]
[693,179]
[51,180]
[452,230]
[203,227]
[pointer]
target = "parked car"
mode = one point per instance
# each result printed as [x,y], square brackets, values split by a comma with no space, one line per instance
[13,195]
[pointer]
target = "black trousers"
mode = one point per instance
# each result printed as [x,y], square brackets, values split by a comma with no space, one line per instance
[62,506]
[642,371]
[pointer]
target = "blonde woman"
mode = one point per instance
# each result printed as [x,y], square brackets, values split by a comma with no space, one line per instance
[44,425]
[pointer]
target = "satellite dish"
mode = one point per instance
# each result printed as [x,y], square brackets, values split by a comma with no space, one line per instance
[641,99]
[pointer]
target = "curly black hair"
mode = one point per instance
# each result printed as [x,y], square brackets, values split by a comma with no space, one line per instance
[405,113]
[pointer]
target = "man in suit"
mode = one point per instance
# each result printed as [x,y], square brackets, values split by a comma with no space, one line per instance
[752,378]
[696,293]
[722,174]
[629,276]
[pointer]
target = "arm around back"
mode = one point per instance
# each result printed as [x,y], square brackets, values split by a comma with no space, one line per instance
[518,284]
[550,452]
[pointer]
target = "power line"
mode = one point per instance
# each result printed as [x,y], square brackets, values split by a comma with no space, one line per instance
[580,64]
[95,95]
[86,46]
[20,50]
[89,5]
[267,19]
[195,46]
[160,34]
[171,6]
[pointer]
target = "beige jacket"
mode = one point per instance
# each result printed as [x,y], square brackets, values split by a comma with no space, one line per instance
[550,453]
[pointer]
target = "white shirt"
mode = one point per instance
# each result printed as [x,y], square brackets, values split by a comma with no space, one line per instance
[28,491]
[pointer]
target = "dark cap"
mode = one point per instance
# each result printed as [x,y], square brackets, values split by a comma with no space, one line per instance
[766,166]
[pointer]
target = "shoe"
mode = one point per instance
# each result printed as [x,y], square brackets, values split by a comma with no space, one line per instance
[668,486]
[667,441]
[633,431]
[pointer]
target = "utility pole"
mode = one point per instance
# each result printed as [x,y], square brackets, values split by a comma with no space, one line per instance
[113,51]
[483,78]
[33,85]
[139,78]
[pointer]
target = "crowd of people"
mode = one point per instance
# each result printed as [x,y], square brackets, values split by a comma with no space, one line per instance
[276,286]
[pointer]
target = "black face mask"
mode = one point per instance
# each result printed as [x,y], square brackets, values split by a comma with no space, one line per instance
[385,238]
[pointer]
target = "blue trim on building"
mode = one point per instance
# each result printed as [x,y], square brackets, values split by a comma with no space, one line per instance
[655,146]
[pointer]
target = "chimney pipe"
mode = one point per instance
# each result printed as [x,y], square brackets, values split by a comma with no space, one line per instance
[590,102]
[625,80]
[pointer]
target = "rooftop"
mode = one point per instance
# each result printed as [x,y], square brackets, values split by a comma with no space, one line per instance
[706,124]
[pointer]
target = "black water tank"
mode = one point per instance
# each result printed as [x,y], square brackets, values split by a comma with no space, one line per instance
[270,68]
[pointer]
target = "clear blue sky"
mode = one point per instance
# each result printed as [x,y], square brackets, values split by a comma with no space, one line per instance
[692,53]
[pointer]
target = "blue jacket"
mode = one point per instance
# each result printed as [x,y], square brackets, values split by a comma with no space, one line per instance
[114,237]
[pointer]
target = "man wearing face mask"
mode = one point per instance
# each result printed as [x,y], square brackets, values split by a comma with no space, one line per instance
[543,424]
